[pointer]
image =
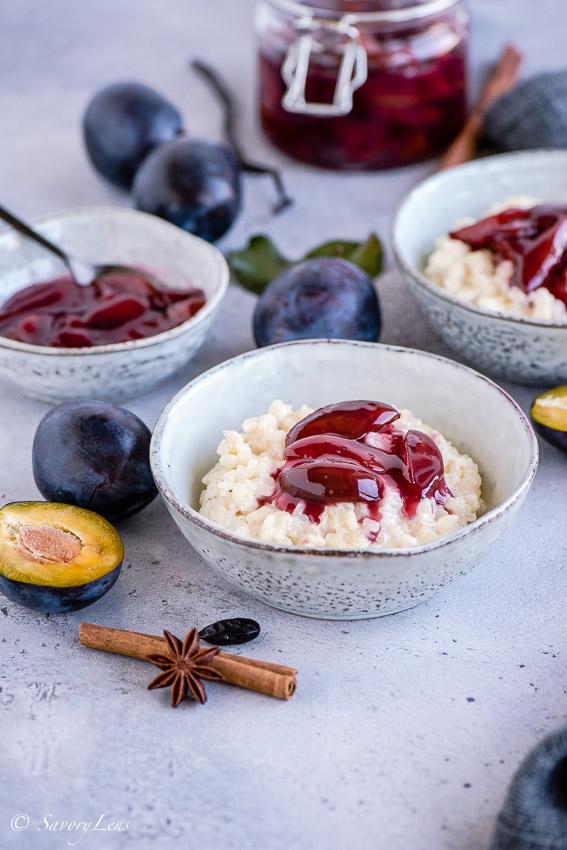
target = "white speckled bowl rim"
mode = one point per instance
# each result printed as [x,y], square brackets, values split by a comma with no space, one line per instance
[147,342]
[194,516]
[417,274]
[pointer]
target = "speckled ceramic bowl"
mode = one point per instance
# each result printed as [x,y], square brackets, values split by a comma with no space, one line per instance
[521,350]
[120,370]
[474,413]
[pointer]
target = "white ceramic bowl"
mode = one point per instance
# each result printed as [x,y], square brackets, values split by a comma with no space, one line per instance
[522,350]
[474,413]
[120,370]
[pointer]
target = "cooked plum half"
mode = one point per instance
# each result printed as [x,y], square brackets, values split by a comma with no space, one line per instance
[351,419]
[94,455]
[56,558]
[549,414]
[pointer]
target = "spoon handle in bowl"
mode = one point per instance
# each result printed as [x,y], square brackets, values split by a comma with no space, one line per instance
[29,233]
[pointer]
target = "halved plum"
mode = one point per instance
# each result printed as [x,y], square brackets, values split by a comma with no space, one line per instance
[310,448]
[56,558]
[349,452]
[549,415]
[534,240]
[351,419]
[330,480]
[423,461]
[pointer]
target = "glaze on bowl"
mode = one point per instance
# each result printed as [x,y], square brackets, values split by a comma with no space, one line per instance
[469,409]
[121,370]
[523,350]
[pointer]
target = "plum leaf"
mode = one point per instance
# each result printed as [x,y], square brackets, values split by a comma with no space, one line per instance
[260,261]
[366,255]
[257,264]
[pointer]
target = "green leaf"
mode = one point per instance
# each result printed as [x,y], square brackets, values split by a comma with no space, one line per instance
[367,255]
[257,264]
[335,248]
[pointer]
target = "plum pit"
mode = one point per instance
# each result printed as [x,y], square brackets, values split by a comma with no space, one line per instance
[45,543]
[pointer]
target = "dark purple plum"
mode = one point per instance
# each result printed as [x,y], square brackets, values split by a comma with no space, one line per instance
[58,600]
[94,455]
[322,298]
[122,124]
[193,184]
[56,558]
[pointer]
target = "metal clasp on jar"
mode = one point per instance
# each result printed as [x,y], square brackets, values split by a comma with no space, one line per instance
[352,73]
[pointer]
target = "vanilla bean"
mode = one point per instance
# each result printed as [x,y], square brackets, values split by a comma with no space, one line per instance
[229,129]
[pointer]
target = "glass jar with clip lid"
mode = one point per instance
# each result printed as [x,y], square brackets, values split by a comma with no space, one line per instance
[362,84]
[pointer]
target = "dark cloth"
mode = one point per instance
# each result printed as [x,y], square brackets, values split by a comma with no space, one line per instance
[534,816]
[532,115]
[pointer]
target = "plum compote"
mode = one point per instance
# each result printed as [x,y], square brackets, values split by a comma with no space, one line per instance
[533,239]
[350,452]
[409,99]
[114,308]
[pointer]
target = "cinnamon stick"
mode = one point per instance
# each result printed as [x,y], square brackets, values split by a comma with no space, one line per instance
[502,77]
[274,680]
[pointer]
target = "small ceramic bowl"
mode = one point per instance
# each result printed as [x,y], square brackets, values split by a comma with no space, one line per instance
[474,413]
[523,350]
[120,370]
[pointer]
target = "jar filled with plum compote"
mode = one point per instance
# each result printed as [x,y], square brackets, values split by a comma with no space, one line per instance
[362,84]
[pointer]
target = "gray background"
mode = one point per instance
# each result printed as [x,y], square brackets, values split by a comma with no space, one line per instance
[405,731]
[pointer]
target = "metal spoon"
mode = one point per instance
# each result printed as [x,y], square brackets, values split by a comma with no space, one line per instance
[82,272]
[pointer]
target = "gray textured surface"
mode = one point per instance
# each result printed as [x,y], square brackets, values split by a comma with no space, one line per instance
[404,732]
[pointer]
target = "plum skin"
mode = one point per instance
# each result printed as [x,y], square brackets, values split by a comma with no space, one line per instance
[42,573]
[551,423]
[321,298]
[94,455]
[122,124]
[555,438]
[192,183]
[58,600]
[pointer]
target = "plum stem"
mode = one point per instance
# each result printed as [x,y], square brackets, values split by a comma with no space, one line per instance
[229,129]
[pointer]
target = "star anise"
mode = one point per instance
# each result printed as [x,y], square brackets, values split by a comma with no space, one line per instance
[184,665]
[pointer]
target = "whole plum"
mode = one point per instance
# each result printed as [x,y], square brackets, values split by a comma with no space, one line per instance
[122,124]
[94,455]
[192,183]
[322,298]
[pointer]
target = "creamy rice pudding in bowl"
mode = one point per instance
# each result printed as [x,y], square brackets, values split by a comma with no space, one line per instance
[340,479]
[483,247]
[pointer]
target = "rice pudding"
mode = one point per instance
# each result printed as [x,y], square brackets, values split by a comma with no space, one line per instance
[355,475]
[513,262]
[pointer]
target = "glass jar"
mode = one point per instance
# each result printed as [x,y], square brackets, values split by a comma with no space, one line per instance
[362,84]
